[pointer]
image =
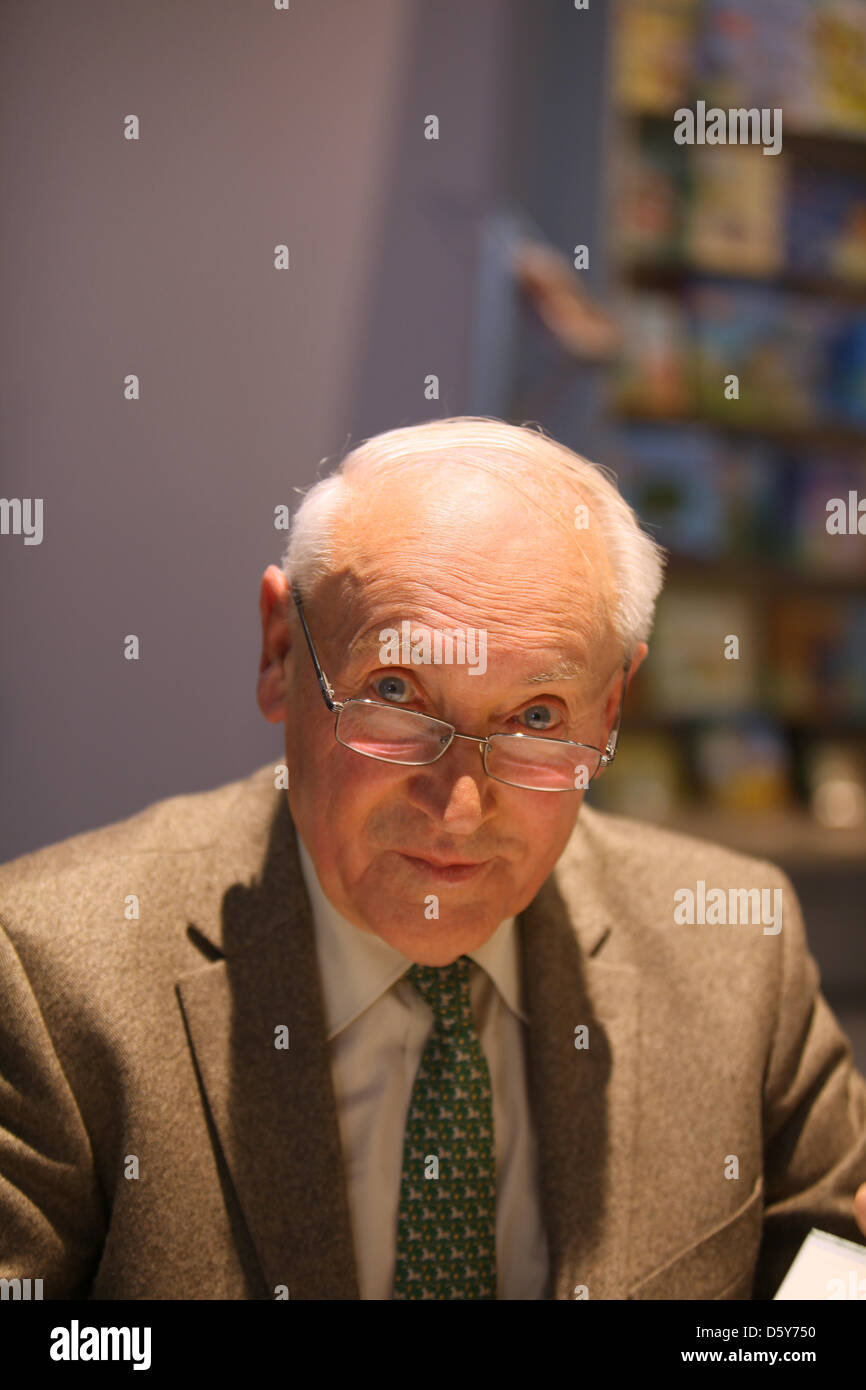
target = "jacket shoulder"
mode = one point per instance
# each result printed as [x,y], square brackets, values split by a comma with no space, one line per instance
[638,880]
[653,853]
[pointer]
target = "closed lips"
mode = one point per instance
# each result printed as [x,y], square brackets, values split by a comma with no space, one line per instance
[444,863]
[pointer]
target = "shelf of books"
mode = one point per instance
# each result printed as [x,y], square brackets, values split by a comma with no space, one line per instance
[739,397]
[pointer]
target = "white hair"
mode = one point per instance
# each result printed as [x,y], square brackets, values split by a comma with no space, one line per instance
[526,458]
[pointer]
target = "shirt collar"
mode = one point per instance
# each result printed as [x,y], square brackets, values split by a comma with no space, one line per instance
[358,967]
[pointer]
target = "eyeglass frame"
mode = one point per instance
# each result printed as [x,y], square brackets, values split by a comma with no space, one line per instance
[337,706]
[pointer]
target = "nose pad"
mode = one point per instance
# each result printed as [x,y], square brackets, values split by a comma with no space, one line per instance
[480,744]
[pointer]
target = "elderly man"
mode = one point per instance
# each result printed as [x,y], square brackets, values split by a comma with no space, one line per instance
[391,1018]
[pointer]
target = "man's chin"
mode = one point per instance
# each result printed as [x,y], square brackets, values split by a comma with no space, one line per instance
[434,940]
[434,947]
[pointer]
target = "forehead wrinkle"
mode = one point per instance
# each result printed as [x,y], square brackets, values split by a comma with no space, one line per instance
[467,599]
[361,602]
[563,670]
[475,577]
[559,635]
[568,668]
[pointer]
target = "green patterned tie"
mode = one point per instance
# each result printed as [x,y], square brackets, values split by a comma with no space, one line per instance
[446,1232]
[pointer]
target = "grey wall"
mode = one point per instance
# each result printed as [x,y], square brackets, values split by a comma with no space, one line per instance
[156,258]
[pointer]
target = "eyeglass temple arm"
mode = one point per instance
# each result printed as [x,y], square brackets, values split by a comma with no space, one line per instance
[610,751]
[325,685]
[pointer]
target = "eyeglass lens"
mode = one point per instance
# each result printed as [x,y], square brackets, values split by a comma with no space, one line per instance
[396,735]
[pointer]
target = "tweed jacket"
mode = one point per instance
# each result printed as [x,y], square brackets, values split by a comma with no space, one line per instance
[694,1099]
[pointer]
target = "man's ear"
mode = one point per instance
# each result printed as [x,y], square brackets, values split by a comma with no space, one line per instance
[640,652]
[274,598]
[612,705]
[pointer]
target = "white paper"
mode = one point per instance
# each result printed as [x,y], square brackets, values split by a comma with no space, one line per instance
[826,1267]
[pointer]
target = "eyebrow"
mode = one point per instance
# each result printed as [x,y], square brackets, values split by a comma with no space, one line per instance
[569,668]
[563,671]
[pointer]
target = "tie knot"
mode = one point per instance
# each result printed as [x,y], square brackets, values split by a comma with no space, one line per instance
[446,989]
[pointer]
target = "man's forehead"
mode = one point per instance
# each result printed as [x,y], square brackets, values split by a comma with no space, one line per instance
[543,665]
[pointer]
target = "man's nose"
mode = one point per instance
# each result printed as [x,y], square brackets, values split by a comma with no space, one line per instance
[455,789]
[464,809]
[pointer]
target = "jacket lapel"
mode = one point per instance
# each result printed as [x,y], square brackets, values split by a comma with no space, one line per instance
[273,1108]
[584,1101]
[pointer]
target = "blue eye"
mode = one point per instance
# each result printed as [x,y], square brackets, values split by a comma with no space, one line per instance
[543,710]
[391,688]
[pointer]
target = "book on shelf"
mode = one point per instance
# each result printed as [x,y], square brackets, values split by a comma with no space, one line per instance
[734,218]
[744,765]
[806,57]
[670,477]
[655,53]
[690,673]
[705,498]
[817,480]
[773,343]
[826,223]
[652,195]
[816,657]
[757,53]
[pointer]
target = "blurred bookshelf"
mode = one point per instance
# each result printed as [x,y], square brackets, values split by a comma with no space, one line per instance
[727,262]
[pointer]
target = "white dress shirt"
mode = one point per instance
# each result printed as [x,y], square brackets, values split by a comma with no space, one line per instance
[377,1027]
